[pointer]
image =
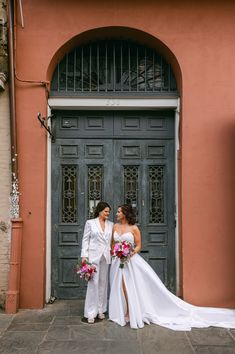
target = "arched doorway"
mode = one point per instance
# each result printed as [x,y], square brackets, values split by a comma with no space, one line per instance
[114,154]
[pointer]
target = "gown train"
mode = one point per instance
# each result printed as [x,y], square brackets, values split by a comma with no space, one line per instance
[150,302]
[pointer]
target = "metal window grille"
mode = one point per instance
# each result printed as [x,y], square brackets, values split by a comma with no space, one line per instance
[95,184]
[69,194]
[113,66]
[131,181]
[156,197]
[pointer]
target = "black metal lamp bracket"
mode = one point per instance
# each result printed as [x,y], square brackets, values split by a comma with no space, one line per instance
[44,124]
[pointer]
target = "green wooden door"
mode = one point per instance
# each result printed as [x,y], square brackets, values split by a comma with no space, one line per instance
[119,157]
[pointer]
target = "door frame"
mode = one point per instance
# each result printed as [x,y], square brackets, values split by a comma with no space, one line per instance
[110,104]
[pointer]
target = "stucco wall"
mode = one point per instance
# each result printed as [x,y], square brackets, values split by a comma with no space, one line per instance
[5,158]
[201,36]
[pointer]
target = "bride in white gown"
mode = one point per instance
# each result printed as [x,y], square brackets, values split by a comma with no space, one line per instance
[138,295]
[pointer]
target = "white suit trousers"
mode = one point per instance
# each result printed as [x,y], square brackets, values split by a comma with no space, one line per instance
[97,291]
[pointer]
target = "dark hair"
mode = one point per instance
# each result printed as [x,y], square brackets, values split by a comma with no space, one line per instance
[129,213]
[100,207]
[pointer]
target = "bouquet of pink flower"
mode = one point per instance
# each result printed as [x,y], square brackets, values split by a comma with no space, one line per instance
[122,250]
[86,270]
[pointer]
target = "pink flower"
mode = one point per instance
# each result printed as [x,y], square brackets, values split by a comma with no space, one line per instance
[122,251]
[116,247]
[125,252]
[86,270]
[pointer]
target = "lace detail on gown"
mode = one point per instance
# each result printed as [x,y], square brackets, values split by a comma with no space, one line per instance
[150,301]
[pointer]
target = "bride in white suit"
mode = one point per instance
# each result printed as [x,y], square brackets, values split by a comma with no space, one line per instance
[96,249]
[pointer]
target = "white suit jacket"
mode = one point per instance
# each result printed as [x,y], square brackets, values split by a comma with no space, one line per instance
[97,242]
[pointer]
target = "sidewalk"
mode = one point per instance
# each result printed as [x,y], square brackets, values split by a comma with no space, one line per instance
[58,329]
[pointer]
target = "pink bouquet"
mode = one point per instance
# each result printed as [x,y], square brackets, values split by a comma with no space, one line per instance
[122,250]
[86,270]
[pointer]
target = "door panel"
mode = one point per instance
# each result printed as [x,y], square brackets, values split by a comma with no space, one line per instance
[142,170]
[144,124]
[119,157]
[78,184]
[74,124]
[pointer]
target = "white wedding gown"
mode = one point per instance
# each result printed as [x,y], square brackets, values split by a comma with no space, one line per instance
[150,302]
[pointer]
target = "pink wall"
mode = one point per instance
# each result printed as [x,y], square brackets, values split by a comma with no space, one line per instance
[201,35]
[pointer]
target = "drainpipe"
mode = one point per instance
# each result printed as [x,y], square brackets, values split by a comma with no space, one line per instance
[12,297]
[12,86]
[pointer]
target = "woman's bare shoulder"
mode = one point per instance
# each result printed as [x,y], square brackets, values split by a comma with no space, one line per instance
[135,228]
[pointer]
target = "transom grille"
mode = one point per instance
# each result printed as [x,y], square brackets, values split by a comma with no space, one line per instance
[115,66]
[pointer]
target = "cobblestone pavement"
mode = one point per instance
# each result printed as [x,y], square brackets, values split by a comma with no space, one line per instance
[58,329]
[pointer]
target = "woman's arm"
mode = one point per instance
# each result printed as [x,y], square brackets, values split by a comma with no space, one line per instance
[112,239]
[137,239]
[86,241]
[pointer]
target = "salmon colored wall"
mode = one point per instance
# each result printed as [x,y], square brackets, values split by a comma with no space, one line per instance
[200,34]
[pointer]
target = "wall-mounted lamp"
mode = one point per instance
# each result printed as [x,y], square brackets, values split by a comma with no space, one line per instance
[43,121]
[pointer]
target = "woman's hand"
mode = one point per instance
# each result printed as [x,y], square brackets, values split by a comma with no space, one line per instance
[134,252]
[84,259]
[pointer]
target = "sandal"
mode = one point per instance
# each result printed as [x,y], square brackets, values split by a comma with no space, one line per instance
[101,316]
[90,320]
